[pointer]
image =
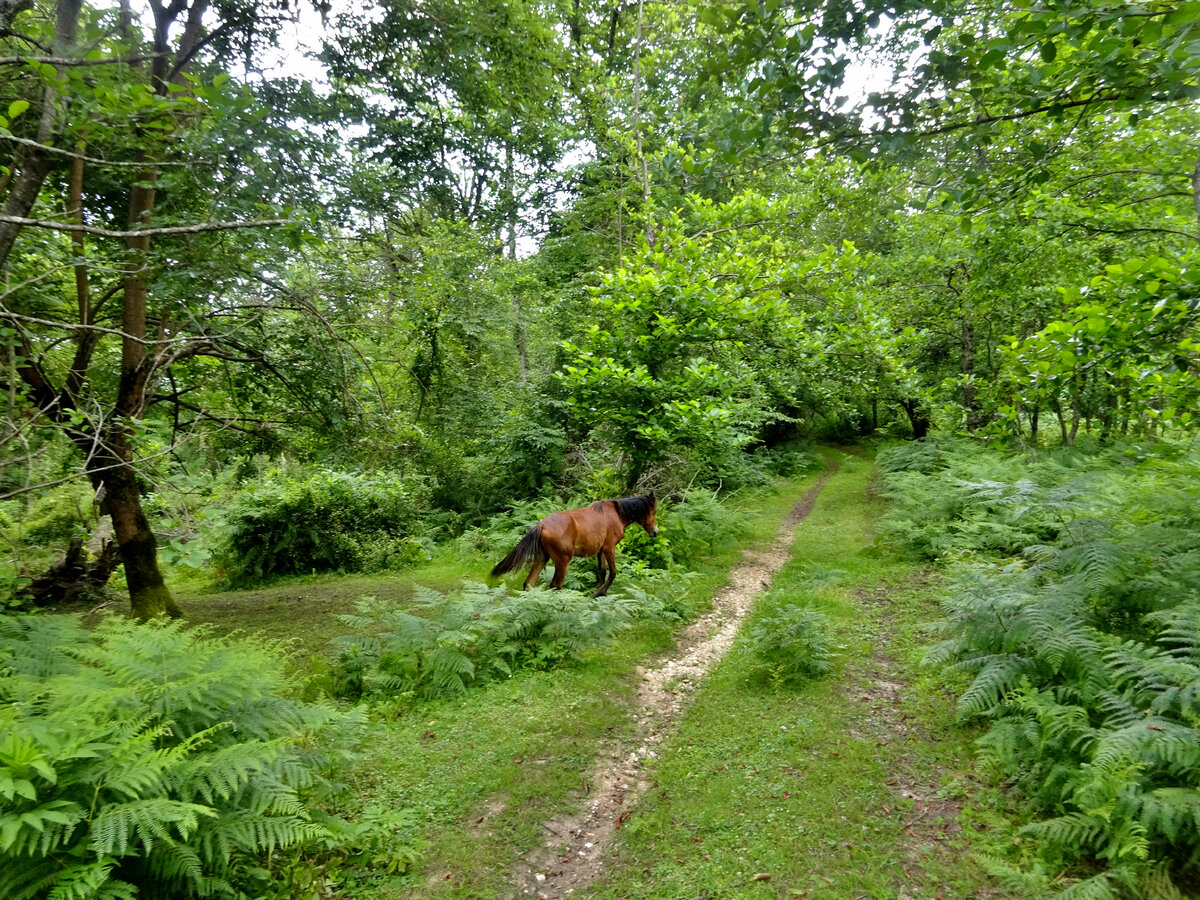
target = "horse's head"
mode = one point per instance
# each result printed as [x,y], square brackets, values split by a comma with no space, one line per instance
[648,522]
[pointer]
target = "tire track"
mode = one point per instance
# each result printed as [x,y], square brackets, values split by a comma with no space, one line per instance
[578,844]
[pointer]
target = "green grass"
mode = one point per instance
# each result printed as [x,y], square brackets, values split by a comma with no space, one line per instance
[809,785]
[849,786]
[304,610]
[482,770]
[486,769]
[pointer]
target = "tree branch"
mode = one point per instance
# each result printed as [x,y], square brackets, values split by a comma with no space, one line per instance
[77,326]
[49,148]
[1097,229]
[144,232]
[73,61]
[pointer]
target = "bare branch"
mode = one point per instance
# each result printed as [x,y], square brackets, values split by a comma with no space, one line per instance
[74,61]
[1138,200]
[90,470]
[145,232]
[76,326]
[263,424]
[49,148]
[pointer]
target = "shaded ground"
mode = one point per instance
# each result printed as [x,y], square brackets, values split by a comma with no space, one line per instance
[578,843]
[854,786]
[305,613]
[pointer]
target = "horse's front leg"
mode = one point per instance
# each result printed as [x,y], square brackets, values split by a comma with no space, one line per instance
[611,557]
[599,568]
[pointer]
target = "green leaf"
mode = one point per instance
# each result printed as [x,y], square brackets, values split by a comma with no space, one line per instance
[16,108]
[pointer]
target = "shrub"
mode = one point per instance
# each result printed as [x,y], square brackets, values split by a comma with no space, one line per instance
[146,760]
[58,516]
[654,552]
[473,635]
[787,460]
[792,645]
[698,525]
[327,521]
[1084,655]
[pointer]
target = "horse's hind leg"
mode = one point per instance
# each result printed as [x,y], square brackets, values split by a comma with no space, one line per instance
[534,572]
[561,561]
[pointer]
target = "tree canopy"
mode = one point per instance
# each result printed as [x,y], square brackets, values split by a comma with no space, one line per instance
[518,249]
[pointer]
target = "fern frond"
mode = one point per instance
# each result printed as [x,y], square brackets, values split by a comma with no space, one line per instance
[145,822]
[1157,884]
[1098,887]
[1156,743]
[997,675]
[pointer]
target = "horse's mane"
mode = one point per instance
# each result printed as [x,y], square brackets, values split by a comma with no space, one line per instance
[634,509]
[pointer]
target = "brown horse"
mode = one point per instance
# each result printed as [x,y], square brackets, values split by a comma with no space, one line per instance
[588,531]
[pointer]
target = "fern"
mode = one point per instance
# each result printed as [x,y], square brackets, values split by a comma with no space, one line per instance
[1076,610]
[1098,887]
[140,759]
[792,645]
[450,642]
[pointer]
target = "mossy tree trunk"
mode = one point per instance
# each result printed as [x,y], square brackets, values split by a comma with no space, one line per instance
[148,593]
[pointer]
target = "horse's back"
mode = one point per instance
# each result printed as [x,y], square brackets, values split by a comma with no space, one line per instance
[579,532]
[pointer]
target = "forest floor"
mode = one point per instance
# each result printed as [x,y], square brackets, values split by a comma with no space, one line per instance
[855,785]
[667,766]
[580,841]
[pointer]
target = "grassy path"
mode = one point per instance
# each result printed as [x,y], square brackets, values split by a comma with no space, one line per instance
[849,787]
[482,773]
[580,840]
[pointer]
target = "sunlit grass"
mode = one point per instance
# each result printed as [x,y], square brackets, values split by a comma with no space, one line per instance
[806,787]
[484,769]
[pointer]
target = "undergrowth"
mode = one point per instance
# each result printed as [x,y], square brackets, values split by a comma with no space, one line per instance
[154,761]
[1075,610]
[323,521]
[792,645]
[444,643]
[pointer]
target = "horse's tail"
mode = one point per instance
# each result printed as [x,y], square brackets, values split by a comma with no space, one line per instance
[528,549]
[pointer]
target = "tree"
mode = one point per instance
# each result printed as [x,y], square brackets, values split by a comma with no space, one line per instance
[726,325]
[140,128]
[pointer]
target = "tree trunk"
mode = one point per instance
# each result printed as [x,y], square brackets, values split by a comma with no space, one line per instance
[1056,405]
[1034,414]
[1075,417]
[917,418]
[35,163]
[510,201]
[637,130]
[148,593]
[1196,192]
[969,390]
[73,577]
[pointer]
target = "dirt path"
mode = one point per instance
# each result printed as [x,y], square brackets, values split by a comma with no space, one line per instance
[577,845]
[878,688]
